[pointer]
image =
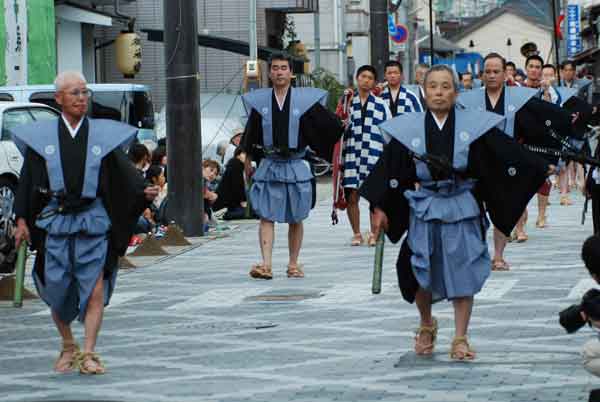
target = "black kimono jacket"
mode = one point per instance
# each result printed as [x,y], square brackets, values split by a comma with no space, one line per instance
[120,187]
[493,160]
[319,129]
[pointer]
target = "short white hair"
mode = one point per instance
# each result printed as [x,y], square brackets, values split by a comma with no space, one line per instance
[61,79]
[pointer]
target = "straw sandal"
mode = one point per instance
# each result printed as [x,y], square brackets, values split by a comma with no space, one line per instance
[68,347]
[427,349]
[357,240]
[461,350]
[371,240]
[541,222]
[500,265]
[295,271]
[261,271]
[84,361]
[522,237]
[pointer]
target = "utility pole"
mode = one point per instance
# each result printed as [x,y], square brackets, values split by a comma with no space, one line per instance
[380,42]
[252,40]
[317,28]
[403,19]
[556,41]
[184,139]
[343,57]
[565,31]
[431,46]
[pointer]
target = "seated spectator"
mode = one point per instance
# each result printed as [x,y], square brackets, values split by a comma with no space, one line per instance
[159,157]
[210,171]
[149,219]
[234,143]
[140,157]
[155,175]
[232,188]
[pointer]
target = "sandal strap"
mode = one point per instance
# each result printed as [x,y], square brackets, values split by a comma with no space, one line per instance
[431,330]
[460,339]
[69,346]
[84,357]
[261,267]
[469,354]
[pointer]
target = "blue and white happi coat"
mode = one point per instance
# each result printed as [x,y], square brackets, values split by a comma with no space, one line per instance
[407,100]
[364,143]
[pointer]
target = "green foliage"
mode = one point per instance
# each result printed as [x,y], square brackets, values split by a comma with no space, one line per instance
[324,79]
[289,29]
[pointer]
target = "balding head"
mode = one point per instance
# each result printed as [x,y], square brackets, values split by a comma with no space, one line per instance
[68,78]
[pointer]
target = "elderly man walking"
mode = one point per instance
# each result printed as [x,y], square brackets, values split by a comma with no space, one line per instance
[77,203]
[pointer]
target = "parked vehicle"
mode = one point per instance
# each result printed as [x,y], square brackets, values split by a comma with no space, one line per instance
[13,114]
[129,103]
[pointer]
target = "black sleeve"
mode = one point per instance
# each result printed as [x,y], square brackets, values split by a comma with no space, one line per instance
[23,195]
[508,176]
[121,188]
[252,139]
[532,120]
[393,174]
[321,130]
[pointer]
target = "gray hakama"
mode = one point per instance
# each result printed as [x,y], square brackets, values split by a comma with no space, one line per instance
[282,185]
[76,241]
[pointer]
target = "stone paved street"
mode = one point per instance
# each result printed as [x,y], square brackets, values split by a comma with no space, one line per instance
[197,328]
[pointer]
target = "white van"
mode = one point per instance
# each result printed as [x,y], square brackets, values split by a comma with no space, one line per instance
[129,103]
[13,114]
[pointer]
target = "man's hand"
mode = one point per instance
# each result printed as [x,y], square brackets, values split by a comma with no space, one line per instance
[243,204]
[551,170]
[151,192]
[212,196]
[380,220]
[574,117]
[21,232]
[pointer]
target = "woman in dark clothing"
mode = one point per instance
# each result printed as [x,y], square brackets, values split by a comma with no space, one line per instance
[232,188]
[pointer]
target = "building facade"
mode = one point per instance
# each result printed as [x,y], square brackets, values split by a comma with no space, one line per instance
[220,71]
[40,38]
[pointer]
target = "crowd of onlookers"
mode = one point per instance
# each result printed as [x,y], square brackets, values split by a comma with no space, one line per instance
[224,191]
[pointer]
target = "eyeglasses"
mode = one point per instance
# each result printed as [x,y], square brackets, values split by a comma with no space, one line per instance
[86,93]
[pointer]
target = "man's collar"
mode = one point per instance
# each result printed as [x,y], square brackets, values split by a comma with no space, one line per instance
[72,131]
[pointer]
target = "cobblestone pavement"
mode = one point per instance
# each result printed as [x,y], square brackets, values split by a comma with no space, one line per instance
[197,328]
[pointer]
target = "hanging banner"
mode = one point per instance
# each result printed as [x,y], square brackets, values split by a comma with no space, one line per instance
[574,44]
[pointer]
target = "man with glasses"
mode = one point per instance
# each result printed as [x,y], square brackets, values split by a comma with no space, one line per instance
[77,203]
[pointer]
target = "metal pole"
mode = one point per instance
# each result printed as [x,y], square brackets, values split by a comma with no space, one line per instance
[556,45]
[380,42]
[565,46]
[317,24]
[184,139]
[403,19]
[431,49]
[252,39]
[342,44]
